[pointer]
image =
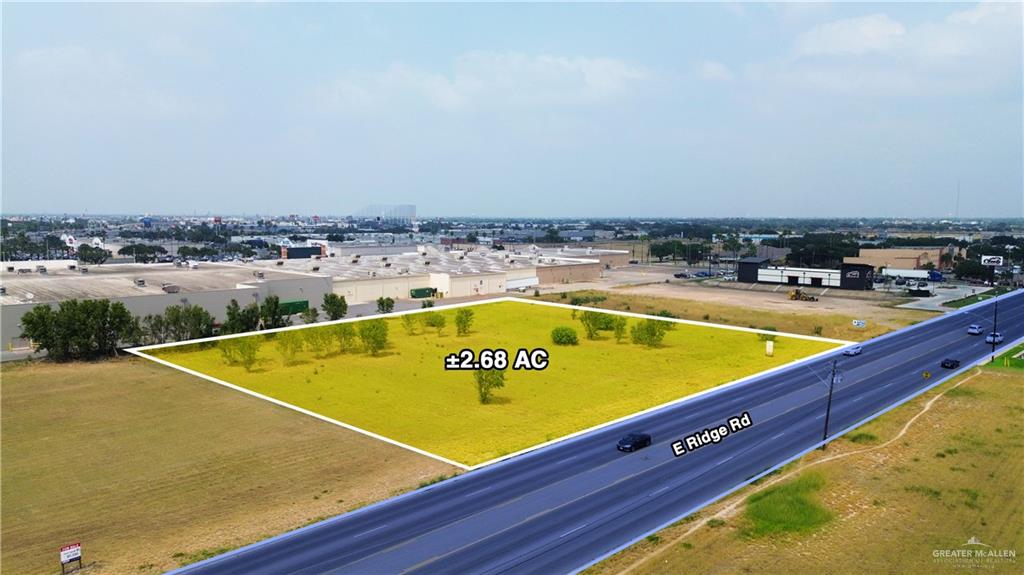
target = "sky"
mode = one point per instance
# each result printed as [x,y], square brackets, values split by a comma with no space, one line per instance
[514,110]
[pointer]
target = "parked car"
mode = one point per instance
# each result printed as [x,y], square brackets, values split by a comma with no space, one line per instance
[681,275]
[634,441]
[949,363]
[974,329]
[853,350]
[994,337]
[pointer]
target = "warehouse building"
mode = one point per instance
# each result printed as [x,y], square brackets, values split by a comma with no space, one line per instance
[848,276]
[904,258]
[456,273]
[147,288]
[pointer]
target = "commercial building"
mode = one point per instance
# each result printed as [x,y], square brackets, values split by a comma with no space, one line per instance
[455,273]
[147,288]
[849,276]
[298,282]
[904,258]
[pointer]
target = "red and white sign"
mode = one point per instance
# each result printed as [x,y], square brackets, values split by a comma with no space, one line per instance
[69,553]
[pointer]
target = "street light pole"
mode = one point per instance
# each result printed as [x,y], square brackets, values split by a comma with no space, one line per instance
[828,406]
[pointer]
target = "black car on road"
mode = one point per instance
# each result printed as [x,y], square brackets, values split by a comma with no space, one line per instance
[950,363]
[634,441]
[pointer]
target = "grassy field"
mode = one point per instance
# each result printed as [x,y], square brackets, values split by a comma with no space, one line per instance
[883,504]
[150,468]
[835,326]
[405,393]
[965,301]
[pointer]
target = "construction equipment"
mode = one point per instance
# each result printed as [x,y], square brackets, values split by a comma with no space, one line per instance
[799,295]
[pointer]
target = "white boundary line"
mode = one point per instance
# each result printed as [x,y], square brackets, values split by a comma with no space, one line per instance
[141,352]
[295,407]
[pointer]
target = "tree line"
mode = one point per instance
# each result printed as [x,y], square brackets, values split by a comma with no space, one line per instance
[91,329]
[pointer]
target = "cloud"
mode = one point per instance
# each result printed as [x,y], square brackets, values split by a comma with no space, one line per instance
[489,79]
[851,36]
[715,71]
[965,52]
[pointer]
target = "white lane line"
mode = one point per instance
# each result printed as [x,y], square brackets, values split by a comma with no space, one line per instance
[660,489]
[573,530]
[858,398]
[778,435]
[472,493]
[378,528]
[822,416]
[888,384]
[571,457]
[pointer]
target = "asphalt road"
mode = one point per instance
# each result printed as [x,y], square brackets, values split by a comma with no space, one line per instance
[562,508]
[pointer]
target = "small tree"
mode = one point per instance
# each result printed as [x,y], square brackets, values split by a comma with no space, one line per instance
[592,321]
[385,305]
[487,380]
[463,321]
[318,340]
[345,335]
[427,303]
[434,320]
[374,335]
[229,350]
[247,349]
[619,327]
[767,336]
[334,306]
[289,344]
[409,323]
[272,314]
[564,335]
[311,315]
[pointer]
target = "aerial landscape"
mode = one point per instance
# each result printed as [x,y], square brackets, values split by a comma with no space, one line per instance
[548,288]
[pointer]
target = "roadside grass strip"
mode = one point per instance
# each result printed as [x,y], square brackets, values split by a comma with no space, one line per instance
[403,394]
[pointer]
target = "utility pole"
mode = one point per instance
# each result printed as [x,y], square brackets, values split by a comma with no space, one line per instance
[828,406]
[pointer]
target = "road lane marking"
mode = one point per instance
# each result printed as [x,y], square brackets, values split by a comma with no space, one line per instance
[573,530]
[472,493]
[378,528]
[778,435]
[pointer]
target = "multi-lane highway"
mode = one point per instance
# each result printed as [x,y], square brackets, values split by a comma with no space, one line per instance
[562,508]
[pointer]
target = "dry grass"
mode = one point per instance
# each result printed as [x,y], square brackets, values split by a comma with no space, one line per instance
[803,318]
[150,468]
[952,476]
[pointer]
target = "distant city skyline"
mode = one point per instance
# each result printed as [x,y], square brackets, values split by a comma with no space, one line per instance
[495,110]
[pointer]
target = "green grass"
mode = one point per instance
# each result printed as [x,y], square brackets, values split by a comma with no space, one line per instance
[991,293]
[787,508]
[1006,360]
[862,437]
[405,393]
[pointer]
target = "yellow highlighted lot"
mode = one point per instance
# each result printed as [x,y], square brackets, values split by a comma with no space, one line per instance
[404,393]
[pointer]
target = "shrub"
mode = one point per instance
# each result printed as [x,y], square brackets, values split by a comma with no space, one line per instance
[649,332]
[563,335]
[767,336]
